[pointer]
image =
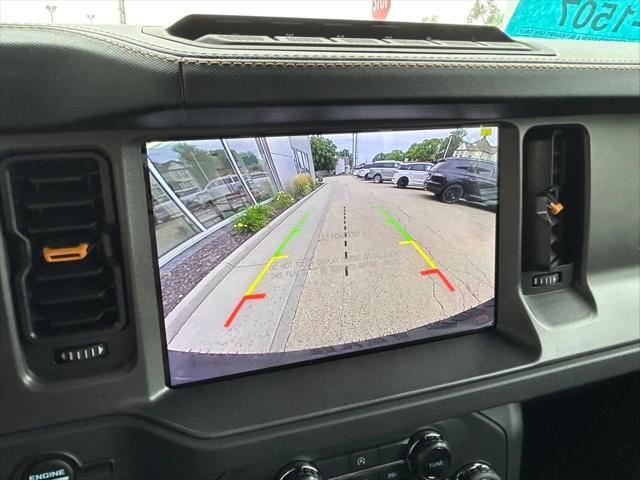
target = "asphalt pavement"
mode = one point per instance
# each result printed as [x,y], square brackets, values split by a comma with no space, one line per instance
[356,261]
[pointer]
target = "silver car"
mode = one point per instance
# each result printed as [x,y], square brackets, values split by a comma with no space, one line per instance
[383,171]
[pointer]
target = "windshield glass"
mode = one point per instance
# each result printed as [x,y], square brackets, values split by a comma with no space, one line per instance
[560,19]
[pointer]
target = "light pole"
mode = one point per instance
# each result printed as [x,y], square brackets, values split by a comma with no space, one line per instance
[51,9]
[91,16]
[123,15]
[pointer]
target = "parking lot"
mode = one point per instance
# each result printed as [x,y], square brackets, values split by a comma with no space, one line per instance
[354,262]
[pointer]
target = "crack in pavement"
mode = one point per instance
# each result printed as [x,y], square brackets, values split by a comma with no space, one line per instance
[435,297]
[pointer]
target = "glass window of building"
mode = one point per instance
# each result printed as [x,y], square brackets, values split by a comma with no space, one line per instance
[172,225]
[254,168]
[201,175]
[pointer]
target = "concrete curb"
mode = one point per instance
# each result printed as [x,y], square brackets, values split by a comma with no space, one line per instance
[181,313]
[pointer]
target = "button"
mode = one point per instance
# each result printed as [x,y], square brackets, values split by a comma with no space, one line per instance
[96,471]
[359,41]
[237,39]
[304,40]
[363,460]
[394,472]
[333,467]
[392,453]
[404,42]
[52,469]
[365,476]
[506,46]
[459,44]
[546,279]
[85,352]
[437,462]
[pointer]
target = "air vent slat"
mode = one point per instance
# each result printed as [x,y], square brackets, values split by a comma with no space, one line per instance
[53,298]
[71,275]
[62,228]
[38,182]
[58,321]
[61,204]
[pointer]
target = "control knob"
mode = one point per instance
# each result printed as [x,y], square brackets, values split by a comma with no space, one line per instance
[429,456]
[477,471]
[299,471]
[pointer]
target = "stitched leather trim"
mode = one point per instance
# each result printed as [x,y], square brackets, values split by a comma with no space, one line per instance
[468,63]
[219,52]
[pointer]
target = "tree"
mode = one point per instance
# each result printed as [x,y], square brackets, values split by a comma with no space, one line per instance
[395,154]
[450,143]
[324,151]
[248,159]
[423,151]
[195,159]
[486,11]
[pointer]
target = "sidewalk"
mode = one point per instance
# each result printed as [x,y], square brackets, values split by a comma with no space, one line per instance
[243,313]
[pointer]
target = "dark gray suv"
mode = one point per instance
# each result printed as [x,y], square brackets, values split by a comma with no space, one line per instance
[468,178]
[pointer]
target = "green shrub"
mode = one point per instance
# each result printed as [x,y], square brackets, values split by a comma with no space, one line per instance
[282,201]
[253,219]
[302,185]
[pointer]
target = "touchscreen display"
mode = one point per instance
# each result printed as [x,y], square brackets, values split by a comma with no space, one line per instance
[277,250]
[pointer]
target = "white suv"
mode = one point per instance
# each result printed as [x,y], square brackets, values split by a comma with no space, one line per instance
[412,174]
[383,171]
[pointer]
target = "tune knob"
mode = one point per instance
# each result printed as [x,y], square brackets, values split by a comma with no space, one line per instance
[477,471]
[429,456]
[299,471]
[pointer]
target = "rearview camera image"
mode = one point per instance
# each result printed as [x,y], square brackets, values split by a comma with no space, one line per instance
[280,250]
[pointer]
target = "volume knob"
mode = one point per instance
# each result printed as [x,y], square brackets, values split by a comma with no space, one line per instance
[477,471]
[299,471]
[429,456]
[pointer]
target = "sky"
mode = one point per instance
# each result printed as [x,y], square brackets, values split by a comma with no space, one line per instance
[372,143]
[369,143]
[166,12]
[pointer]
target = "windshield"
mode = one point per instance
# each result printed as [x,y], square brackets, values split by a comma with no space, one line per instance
[560,19]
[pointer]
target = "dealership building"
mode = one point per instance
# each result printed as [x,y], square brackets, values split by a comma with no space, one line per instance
[199,186]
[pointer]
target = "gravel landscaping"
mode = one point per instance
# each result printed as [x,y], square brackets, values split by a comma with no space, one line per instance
[181,274]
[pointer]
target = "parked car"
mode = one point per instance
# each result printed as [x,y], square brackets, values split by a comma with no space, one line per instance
[363,171]
[223,186]
[468,178]
[382,171]
[411,174]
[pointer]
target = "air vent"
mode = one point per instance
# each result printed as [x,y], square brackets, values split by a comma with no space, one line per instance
[64,249]
[553,207]
[308,34]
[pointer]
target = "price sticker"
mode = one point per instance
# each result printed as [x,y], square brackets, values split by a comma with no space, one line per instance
[617,20]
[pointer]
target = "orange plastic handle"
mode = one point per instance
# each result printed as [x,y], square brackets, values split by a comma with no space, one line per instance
[555,208]
[65,254]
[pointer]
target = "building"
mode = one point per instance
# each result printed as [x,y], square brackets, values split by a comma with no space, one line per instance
[199,186]
[480,149]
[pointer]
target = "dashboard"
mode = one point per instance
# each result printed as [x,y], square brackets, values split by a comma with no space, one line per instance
[101,379]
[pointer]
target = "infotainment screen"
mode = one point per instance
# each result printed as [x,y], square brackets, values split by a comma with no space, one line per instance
[279,250]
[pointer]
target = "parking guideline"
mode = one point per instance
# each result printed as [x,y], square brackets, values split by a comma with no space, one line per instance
[249,295]
[408,240]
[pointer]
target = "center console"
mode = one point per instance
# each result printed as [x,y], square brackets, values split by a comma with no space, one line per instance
[472,447]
